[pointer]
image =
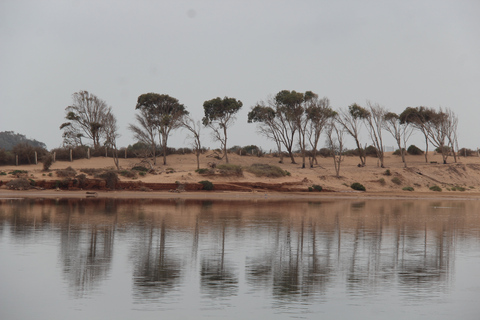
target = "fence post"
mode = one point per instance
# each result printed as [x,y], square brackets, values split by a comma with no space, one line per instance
[16,160]
[54,156]
[71,155]
[88,153]
[106,150]
[125,153]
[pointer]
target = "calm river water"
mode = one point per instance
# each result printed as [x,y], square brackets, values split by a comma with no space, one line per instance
[193,259]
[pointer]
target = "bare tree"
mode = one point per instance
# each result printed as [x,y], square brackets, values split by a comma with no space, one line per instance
[111,133]
[438,130]
[375,123]
[335,135]
[351,121]
[194,128]
[401,132]
[86,119]
[452,132]
[146,131]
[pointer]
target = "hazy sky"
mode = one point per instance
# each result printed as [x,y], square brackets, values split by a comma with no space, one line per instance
[395,53]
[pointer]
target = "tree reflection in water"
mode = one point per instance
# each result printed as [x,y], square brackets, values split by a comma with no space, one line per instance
[290,250]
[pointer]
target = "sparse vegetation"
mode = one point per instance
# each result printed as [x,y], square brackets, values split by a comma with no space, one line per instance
[381,181]
[396,180]
[357,186]
[229,170]
[69,172]
[316,187]
[435,188]
[19,184]
[408,189]
[111,179]
[387,172]
[266,170]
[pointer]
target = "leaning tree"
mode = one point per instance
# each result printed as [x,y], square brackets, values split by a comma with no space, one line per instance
[219,115]
[86,119]
[165,114]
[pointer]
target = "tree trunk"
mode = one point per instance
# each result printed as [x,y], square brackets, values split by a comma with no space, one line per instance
[225,143]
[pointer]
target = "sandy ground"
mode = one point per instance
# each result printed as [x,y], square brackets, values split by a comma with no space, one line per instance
[418,174]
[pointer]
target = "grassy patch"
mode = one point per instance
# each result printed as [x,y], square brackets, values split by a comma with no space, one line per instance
[266,170]
[229,170]
[436,188]
[408,189]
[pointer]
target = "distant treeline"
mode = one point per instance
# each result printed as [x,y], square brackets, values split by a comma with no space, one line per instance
[9,139]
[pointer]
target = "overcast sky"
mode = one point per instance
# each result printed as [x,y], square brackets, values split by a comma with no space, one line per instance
[395,53]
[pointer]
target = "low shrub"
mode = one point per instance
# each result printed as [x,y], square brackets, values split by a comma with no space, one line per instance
[381,181]
[436,188]
[66,173]
[371,151]
[47,162]
[92,171]
[467,152]
[140,168]
[19,184]
[397,180]
[230,170]
[111,179]
[408,189]
[204,171]
[397,152]
[18,172]
[357,186]
[266,170]
[128,174]
[414,150]
[387,172]
[207,185]
[317,187]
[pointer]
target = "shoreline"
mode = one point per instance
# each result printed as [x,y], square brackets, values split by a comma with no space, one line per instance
[241,196]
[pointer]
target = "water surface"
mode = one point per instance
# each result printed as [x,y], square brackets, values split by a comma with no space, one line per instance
[191,259]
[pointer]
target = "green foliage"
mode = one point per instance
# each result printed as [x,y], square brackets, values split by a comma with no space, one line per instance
[230,170]
[220,110]
[398,153]
[317,187]
[436,188]
[414,150]
[397,180]
[458,188]
[266,170]
[207,185]
[408,189]
[387,172]
[140,168]
[2,173]
[357,186]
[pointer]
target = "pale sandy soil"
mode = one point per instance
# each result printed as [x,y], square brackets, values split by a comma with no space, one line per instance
[418,174]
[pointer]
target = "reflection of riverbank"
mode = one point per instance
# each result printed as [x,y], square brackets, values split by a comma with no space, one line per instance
[292,249]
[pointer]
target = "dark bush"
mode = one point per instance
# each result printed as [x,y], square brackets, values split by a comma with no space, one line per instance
[325,152]
[204,171]
[397,152]
[408,189]
[436,188]
[111,179]
[81,180]
[397,180]
[357,186]
[467,152]
[414,150]
[207,185]
[140,168]
[47,162]
[371,151]
[26,153]
[447,149]
[129,174]
[317,187]
[6,157]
